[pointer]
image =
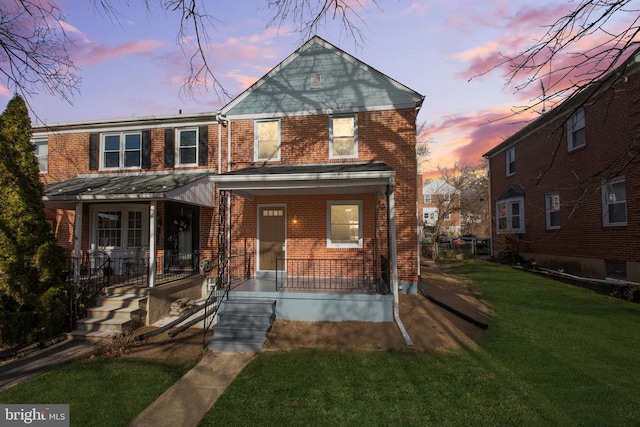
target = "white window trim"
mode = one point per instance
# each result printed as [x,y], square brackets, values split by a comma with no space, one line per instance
[355,136]
[41,142]
[121,151]
[572,126]
[124,225]
[256,151]
[509,203]
[427,198]
[331,203]
[177,147]
[508,162]
[548,210]
[605,203]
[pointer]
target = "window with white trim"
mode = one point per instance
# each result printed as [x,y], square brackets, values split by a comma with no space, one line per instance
[343,135]
[511,161]
[121,227]
[576,130]
[614,202]
[344,224]
[42,154]
[427,198]
[121,151]
[510,216]
[267,140]
[187,147]
[552,206]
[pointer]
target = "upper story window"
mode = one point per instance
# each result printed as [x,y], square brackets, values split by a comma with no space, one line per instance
[511,161]
[552,206]
[575,130]
[121,151]
[427,198]
[344,224]
[267,140]
[510,215]
[614,202]
[187,147]
[343,135]
[446,197]
[42,154]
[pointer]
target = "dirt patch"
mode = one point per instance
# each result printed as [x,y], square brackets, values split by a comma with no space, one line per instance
[430,326]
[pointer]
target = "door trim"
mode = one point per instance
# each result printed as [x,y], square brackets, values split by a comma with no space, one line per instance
[259,271]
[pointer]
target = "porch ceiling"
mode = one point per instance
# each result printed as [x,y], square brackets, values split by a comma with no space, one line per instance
[331,178]
[187,187]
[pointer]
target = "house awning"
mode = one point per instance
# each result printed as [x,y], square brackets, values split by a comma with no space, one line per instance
[330,178]
[183,186]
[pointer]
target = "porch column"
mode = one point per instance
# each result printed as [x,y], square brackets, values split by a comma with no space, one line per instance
[152,244]
[77,242]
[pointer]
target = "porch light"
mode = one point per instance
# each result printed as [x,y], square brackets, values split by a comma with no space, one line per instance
[295,219]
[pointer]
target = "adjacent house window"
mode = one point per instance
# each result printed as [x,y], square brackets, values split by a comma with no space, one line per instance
[614,202]
[575,130]
[267,140]
[427,198]
[510,216]
[187,147]
[446,197]
[447,216]
[511,161]
[344,224]
[122,151]
[343,134]
[552,202]
[42,154]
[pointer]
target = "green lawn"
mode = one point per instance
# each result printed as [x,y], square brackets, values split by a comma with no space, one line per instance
[553,355]
[101,391]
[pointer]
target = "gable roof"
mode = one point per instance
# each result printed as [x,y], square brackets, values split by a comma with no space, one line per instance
[438,186]
[340,83]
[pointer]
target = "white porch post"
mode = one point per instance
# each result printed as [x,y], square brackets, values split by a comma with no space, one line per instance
[394,261]
[152,244]
[77,242]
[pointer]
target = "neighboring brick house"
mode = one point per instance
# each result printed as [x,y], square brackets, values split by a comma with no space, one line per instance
[565,189]
[312,170]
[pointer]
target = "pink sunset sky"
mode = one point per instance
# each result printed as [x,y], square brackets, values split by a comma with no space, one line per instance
[439,48]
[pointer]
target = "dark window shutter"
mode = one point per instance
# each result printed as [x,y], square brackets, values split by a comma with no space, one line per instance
[203,145]
[146,149]
[94,151]
[169,148]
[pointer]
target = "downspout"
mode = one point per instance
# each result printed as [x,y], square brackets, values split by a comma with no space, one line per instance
[77,244]
[152,243]
[394,262]
[219,145]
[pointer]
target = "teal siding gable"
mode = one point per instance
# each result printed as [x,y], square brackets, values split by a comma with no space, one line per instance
[346,84]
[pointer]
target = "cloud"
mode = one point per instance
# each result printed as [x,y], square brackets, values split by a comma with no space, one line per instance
[89,53]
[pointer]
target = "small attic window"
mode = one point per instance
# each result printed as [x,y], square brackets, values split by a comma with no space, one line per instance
[316,81]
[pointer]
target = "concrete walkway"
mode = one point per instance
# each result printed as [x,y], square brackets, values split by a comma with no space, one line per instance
[188,400]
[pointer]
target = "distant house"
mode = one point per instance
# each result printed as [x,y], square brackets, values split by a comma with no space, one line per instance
[565,190]
[439,206]
[302,188]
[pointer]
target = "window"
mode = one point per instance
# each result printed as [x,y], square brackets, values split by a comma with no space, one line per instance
[343,134]
[510,216]
[109,228]
[511,161]
[427,198]
[614,202]
[42,154]
[447,216]
[267,140]
[135,229]
[552,202]
[446,197]
[122,151]
[121,227]
[575,130]
[616,269]
[187,147]
[344,228]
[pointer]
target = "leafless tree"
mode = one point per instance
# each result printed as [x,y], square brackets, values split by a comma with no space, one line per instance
[423,147]
[34,46]
[578,49]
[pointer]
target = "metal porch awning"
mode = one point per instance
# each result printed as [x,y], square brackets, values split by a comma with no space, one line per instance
[330,178]
[182,186]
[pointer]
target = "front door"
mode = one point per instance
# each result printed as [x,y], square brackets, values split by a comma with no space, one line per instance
[271,236]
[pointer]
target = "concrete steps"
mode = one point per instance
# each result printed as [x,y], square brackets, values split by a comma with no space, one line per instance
[120,310]
[243,325]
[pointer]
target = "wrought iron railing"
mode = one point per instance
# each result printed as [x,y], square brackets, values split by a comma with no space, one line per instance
[327,275]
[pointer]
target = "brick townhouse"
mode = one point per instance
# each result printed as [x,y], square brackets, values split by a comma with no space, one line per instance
[306,179]
[565,189]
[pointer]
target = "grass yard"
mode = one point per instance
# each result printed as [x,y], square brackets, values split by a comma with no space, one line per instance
[553,355]
[101,391]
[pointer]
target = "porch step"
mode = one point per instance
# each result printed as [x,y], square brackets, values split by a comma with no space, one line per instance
[112,315]
[127,290]
[243,325]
